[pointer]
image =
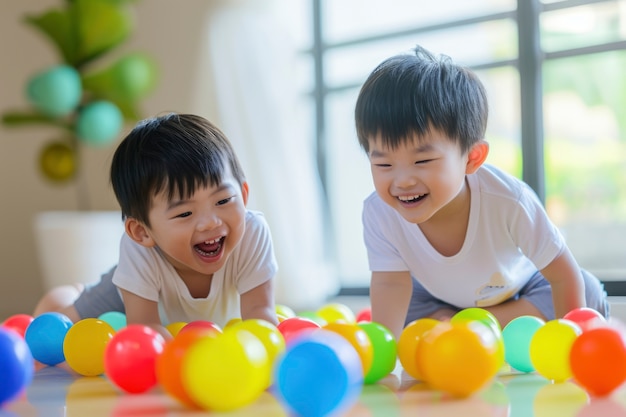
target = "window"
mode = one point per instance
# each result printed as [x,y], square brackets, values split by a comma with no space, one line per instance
[553,72]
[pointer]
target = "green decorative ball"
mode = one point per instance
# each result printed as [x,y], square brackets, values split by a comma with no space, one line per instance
[55,92]
[99,123]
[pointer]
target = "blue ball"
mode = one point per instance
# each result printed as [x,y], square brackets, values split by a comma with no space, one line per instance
[45,335]
[319,374]
[16,365]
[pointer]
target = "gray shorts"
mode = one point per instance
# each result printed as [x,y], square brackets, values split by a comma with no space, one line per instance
[537,291]
[99,298]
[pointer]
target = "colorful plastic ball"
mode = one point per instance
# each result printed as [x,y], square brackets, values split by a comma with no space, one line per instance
[57,161]
[175,327]
[18,323]
[293,325]
[486,318]
[336,311]
[169,363]
[16,365]
[202,324]
[550,349]
[384,349]
[99,123]
[586,318]
[459,358]
[56,91]
[226,372]
[130,358]
[517,336]
[84,346]
[409,341]
[358,338]
[319,375]
[365,314]
[233,321]
[45,336]
[312,315]
[284,311]
[598,360]
[116,319]
[267,333]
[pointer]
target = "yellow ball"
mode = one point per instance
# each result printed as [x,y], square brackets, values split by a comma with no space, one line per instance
[550,347]
[284,311]
[84,346]
[175,327]
[226,372]
[458,358]
[336,312]
[409,341]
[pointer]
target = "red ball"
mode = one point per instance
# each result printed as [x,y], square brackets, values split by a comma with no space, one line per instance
[130,358]
[364,315]
[294,325]
[201,324]
[598,360]
[18,323]
[586,318]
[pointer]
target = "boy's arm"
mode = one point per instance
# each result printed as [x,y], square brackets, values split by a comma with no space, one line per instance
[565,278]
[258,303]
[142,311]
[390,295]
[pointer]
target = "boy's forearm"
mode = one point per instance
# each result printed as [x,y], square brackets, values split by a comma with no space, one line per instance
[390,295]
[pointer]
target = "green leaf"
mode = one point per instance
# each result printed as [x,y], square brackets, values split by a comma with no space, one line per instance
[57,26]
[20,118]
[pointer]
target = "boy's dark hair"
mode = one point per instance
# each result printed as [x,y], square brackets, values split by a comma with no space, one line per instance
[410,94]
[175,153]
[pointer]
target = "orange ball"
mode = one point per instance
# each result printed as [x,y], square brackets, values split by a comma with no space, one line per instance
[408,344]
[459,358]
[358,338]
[169,363]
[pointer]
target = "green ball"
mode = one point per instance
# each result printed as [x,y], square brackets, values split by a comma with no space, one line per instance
[385,351]
[55,92]
[517,336]
[99,123]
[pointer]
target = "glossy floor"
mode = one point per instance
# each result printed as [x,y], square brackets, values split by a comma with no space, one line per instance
[55,392]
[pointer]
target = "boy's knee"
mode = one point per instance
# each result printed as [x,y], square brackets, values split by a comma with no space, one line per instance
[60,299]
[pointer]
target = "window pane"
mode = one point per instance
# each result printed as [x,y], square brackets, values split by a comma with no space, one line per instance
[485,42]
[351,19]
[582,26]
[585,149]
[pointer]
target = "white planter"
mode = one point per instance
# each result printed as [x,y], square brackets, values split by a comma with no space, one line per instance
[77,246]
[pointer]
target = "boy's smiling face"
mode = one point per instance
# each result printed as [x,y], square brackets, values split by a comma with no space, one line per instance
[421,177]
[199,233]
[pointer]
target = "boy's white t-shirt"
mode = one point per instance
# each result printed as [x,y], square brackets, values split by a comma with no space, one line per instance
[509,237]
[146,272]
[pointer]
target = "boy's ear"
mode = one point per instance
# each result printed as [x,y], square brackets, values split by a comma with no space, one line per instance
[244,193]
[476,156]
[138,232]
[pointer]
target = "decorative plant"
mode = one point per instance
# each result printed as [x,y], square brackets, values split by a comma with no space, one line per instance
[86,102]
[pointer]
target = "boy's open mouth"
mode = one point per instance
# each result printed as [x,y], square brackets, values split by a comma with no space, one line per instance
[210,247]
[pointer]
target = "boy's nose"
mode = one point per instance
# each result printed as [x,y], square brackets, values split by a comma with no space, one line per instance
[405,179]
[208,221]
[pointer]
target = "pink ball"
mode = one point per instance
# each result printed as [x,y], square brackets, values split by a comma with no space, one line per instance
[130,358]
[293,325]
[18,323]
[586,318]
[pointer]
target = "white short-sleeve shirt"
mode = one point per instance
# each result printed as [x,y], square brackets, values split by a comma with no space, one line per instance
[509,237]
[146,273]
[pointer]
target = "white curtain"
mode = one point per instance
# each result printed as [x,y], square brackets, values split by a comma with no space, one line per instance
[246,86]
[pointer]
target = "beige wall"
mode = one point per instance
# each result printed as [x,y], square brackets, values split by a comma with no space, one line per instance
[169,30]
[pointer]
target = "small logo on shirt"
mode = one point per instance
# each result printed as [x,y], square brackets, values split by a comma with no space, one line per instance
[496,291]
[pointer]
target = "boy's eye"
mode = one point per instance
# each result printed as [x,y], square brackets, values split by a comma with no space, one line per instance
[224,201]
[423,161]
[185,214]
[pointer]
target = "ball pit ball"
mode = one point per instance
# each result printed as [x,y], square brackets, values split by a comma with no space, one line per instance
[116,319]
[45,336]
[284,311]
[202,324]
[598,360]
[336,311]
[459,358]
[130,358]
[550,349]
[517,336]
[319,375]
[16,365]
[267,333]
[358,338]
[18,323]
[175,327]
[586,318]
[293,325]
[84,346]
[365,314]
[169,363]
[487,319]
[226,372]
[384,350]
[409,341]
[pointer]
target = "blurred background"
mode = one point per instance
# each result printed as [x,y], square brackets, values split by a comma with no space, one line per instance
[280,78]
